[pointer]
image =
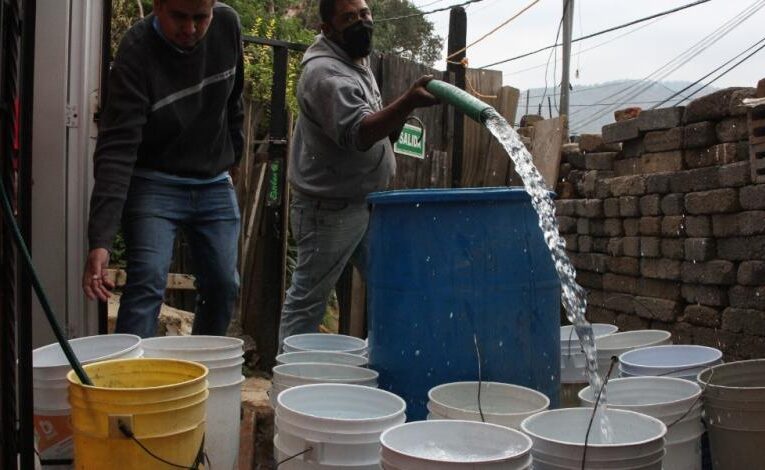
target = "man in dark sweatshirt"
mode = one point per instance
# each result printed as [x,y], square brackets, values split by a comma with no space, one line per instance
[341,151]
[170,131]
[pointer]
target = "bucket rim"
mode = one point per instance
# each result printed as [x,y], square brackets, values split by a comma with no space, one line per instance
[74,380]
[240,381]
[528,443]
[330,387]
[676,380]
[360,346]
[291,354]
[236,342]
[621,334]
[524,428]
[373,374]
[536,394]
[707,384]
[705,363]
[83,339]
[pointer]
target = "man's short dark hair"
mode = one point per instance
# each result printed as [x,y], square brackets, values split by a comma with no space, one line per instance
[327,10]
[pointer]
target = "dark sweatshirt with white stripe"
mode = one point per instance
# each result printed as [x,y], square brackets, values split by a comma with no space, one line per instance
[171,111]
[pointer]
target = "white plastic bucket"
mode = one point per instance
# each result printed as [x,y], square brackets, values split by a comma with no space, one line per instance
[501,403]
[637,440]
[53,433]
[292,375]
[682,361]
[325,357]
[195,348]
[325,342]
[673,401]
[573,362]
[453,444]
[223,423]
[619,343]
[734,408]
[341,424]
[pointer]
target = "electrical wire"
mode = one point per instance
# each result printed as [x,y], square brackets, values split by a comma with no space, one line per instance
[582,51]
[635,89]
[726,72]
[549,57]
[608,30]
[423,13]
[707,75]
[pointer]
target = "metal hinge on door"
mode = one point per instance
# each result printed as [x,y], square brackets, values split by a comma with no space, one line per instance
[72,116]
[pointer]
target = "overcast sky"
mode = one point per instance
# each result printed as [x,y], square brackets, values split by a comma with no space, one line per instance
[634,55]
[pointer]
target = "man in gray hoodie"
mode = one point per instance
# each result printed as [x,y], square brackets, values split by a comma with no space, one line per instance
[341,152]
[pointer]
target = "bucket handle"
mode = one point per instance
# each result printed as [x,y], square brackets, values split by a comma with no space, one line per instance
[308,455]
[200,458]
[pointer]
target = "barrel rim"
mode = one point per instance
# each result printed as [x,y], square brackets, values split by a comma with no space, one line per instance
[74,380]
[524,428]
[451,422]
[713,386]
[496,193]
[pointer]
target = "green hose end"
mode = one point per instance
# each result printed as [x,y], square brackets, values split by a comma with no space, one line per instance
[466,103]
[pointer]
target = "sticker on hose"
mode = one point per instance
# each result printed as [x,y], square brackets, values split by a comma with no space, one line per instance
[53,436]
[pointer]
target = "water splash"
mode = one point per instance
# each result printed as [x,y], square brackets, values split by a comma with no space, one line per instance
[573,296]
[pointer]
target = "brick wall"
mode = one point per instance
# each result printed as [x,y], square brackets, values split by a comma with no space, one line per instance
[665,227]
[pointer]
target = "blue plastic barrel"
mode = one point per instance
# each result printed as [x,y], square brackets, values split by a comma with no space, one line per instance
[447,264]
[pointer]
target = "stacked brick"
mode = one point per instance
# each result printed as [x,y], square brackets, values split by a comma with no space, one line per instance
[666,228]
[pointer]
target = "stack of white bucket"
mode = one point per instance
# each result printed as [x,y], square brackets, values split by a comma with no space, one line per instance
[673,401]
[331,426]
[314,358]
[501,403]
[573,363]
[53,433]
[636,441]
[467,445]
[223,357]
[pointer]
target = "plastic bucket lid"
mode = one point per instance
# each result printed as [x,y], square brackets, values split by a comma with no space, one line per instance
[670,360]
[325,342]
[325,357]
[501,403]
[453,441]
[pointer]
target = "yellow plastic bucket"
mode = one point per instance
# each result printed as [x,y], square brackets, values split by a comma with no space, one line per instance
[162,402]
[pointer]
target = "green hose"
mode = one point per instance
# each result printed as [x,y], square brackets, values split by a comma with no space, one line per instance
[70,356]
[468,104]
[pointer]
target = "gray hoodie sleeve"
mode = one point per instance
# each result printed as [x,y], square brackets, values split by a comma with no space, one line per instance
[337,105]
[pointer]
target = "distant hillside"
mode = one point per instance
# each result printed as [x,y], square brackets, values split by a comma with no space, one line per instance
[589,102]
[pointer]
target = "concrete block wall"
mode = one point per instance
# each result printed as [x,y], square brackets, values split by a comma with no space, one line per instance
[665,227]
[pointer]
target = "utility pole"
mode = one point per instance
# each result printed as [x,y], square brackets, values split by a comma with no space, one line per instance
[457,41]
[568,26]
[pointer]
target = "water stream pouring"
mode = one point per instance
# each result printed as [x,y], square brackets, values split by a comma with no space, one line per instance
[573,296]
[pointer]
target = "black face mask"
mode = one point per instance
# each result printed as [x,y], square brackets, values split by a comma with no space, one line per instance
[357,39]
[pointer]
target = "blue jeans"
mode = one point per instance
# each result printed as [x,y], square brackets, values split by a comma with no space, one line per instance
[328,236]
[209,216]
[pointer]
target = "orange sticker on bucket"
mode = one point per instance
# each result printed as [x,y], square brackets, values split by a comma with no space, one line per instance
[53,436]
